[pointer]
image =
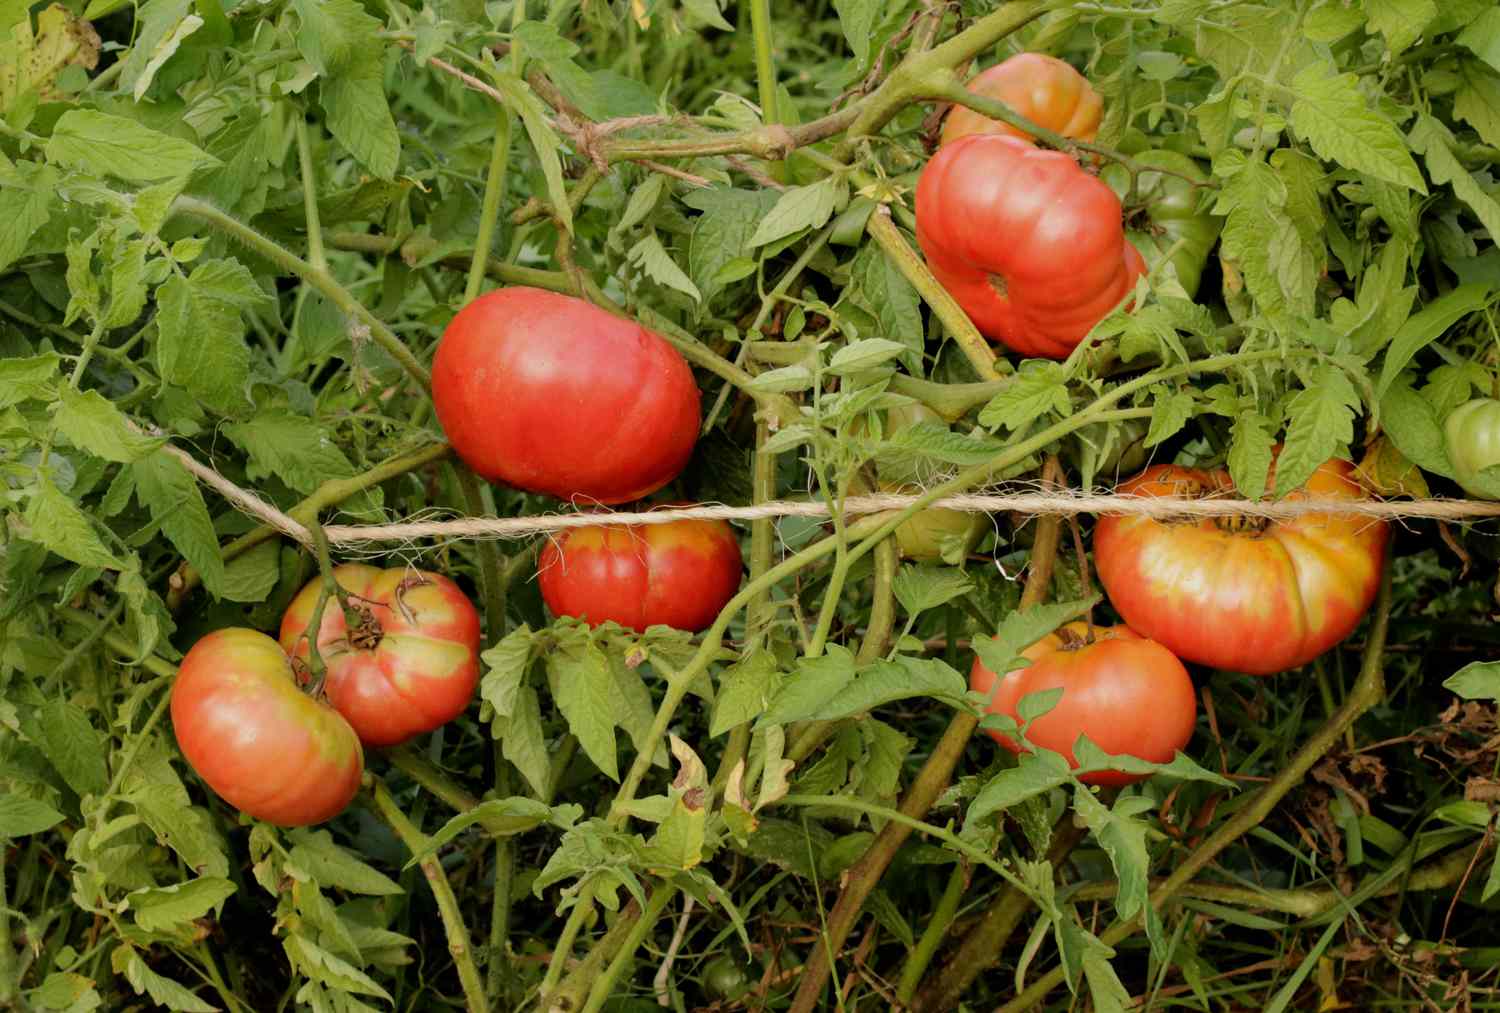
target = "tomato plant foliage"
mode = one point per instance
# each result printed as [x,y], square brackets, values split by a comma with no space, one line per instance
[232,238]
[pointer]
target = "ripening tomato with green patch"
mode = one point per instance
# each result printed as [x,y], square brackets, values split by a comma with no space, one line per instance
[1045,90]
[924,535]
[254,737]
[678,574]
[1171,219]
[1128,694]
[1029,244]
[410,663]
[1243,594]
[551,394]
[1471,435]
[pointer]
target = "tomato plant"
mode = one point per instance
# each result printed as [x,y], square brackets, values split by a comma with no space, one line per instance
[1472,438]
[1175,220]
[1247,596]
[1042,88]
[254,737]
[550,394]
[1129,695]
[1030,244]
[925,534]
[411,662]
[678,574]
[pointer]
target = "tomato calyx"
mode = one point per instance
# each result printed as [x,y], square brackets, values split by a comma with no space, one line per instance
[1072,640]
[1243,525]
[1000,285]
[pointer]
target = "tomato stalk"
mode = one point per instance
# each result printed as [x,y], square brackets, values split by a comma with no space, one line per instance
[1367,691]
[319,278]
[453,920]
[604,984]
[354,618]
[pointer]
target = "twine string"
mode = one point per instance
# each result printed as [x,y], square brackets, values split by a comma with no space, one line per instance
[1060,502]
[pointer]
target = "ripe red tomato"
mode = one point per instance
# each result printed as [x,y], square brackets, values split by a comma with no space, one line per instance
[551,394]
[1030,245]
[414,664]
[679,574]
[255,738]
[1257,598]
[1129,695]
[1045,90]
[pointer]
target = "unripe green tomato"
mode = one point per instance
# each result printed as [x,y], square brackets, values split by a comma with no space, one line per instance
[1172,214]
[921,536]
[1472,436]
[727,979]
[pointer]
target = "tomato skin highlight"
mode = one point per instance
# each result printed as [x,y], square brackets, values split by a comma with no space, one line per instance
[1045,90]
[1258,602]
[1030,245]
[551,394]
[679,574]
[255,738]
[1471,435]
[423,671]
[1128,694]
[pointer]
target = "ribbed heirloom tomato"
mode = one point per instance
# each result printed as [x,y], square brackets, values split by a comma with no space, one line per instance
[551,394]
[1471,435]
[1045,90]
[261,743]
[1030,245]
[1255,598]
[1129,695]
[679,574]
[412,664]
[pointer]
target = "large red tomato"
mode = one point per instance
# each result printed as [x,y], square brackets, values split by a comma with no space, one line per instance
[679,574]
[410,667]
[1045,90]
[1030,245]
[262,744]
[1257,598]
[1129,695]
[551,394]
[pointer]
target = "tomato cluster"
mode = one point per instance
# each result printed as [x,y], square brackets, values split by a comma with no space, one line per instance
[403,661]
[1032,246]
[1257,598]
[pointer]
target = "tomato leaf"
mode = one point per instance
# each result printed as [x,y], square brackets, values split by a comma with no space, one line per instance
[746,689]
[1424,326]
[1024,627]
[801,207]
[1330,112]
[1250,455]
[581,685]
[1478,680]
[171,494]
[315,853]
[1322,425]
[1033,774]
[1035,393]
[920,587]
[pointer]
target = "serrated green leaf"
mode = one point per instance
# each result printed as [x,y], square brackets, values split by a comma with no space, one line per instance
[581,687]
[801,207]
[1250,455]
[858,19]
[1033,394]
[314,852]
[172,495]
[1322,425]
[1330,112]
[1169,413]
[746,689]
[24,209]
[1478,680]
[201,334]
[1482,36]
[544,140]
[55,521]
[22,817]
[1023,627]
[160,909]
[1400,21]
[651,257]
[293,448]
[1425,326]
[63,733]
[94,424]
[721,234]
[111,145]
[866,353]
[253,575]
[1434,141]
[1477,102]
[1033,774]
[162,990]
[919,587]
[780,381]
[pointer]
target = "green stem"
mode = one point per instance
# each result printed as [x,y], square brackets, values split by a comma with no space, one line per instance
[315,254]
[950,400]
[9,983]
[765,67]
[493,585]
[932,936]
[494,193]
[604,984]
[423,772]
[979,352]
[318,278]
[416,248]
[442,892]
[1368,690]
[497,968]
[981,947]
[330,493]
